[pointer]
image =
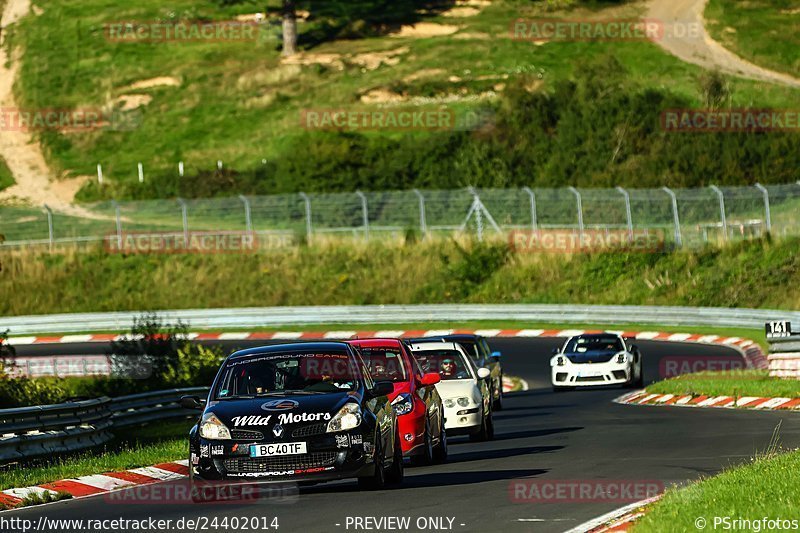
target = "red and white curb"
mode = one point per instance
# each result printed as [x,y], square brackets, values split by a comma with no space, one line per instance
[730,402]
[618,520]
[508,384]
[99,483]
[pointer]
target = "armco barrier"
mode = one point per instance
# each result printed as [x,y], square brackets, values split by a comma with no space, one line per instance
[28,432]
[260,317]
[784,357]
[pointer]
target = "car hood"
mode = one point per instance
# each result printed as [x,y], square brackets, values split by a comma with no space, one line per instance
[455,387]
[591,357]
[267,411]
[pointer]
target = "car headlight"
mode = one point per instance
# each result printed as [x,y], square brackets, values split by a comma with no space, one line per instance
[348,417]
[463,401]
[403,404]
[449,402]
[212,428]
[620,358]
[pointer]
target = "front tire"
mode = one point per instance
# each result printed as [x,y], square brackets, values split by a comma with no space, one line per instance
[486,431]
[377,480]
[498,403]
[426,457]
[440,452]
[396,472]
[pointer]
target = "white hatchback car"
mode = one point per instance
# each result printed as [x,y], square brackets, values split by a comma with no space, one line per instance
[596,359]
[464,388]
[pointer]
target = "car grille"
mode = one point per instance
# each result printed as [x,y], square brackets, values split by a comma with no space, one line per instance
[246,434]
[307,431]
[288,462]
[590,378]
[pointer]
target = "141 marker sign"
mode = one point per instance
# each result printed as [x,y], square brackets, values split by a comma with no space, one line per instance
[778,328]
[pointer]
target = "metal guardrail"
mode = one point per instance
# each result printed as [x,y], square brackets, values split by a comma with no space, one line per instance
[29,432]
[248,318]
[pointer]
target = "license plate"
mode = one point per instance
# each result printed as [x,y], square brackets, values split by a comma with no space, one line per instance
[282,448]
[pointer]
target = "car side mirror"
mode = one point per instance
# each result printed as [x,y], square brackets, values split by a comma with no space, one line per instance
[496,356]
[484,373]
[633,348]
[429,379]
[381,388]
[192,402]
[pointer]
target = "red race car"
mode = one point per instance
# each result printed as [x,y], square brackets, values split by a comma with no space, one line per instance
[420,415]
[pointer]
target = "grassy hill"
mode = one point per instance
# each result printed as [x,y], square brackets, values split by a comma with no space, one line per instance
[747,274]
[239,103]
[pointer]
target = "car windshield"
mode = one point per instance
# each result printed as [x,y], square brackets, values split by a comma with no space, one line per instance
[594,344]
[471,347]
[385,364]
[288,373]
[448,363]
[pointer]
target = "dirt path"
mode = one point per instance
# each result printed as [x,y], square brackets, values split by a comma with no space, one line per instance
[700,48]
[20,151]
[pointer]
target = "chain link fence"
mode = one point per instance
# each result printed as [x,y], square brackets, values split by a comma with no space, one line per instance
[686,217]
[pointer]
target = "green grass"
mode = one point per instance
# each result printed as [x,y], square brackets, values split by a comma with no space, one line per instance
[766,32]
[735,383]
[747,274]
[134,448]
[731,494]
[238,103]
[6,179]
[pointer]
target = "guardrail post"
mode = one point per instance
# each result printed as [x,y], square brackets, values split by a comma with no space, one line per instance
[423,223]
[309,227]
[247,220]
[579,201]
[119,223]
[675,217]
[364,213]
[722,216]
[185,220]
[532,197]
[628,215]
[50,232]
[767,212]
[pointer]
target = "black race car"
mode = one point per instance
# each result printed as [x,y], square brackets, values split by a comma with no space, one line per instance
[305,412]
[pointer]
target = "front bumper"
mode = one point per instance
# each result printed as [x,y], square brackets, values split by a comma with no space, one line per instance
[460,420]
[329,457]
[591,374]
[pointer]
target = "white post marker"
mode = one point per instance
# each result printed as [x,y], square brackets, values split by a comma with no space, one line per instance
[141,173]
[100,174]
[180,168]
[219,164]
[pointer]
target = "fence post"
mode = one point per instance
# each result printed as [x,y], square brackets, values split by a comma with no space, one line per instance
[579,201]
[141,173]
[423,223]
[119,224]
[49,225]
[99,174]
[722,216]
[767,211]
[185,220]
[628,215]
[247,220]
[532,196]
[309,227]
[180,168]
[675,216]
[364,213]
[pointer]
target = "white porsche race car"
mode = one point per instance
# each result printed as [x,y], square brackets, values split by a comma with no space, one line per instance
[464,388]
[599,359]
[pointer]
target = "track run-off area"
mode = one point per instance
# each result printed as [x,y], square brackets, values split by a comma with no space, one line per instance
[542,438]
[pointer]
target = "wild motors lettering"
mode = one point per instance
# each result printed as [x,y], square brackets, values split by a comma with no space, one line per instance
[254,420]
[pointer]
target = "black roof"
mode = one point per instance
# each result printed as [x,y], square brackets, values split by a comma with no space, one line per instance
[290,347]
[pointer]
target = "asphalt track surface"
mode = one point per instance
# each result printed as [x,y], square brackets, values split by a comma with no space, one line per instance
[577,436]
